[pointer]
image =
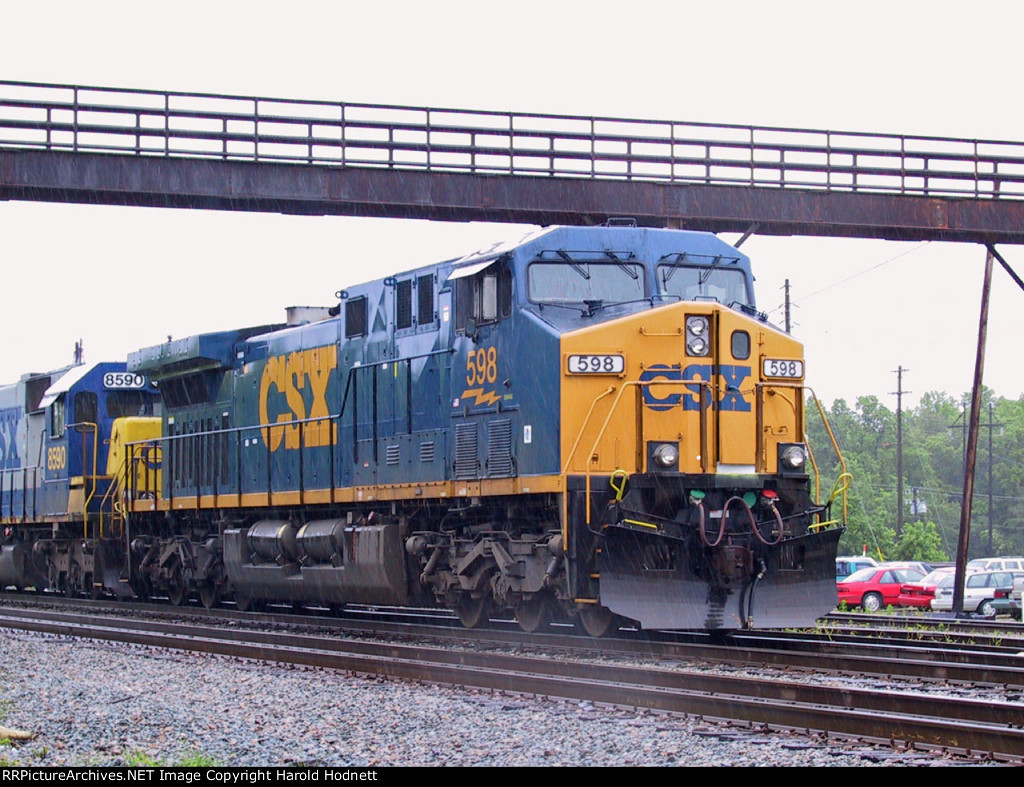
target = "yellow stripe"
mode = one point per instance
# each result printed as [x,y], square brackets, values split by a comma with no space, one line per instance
[640,524]
[524,485]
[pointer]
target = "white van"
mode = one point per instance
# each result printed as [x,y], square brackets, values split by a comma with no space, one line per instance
[996,564]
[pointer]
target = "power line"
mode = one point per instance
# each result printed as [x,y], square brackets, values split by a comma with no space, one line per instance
[866,270]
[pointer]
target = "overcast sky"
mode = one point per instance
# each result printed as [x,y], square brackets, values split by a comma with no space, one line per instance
[124,278]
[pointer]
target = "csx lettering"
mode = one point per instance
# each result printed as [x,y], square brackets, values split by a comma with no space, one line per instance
[8,444]
[732,397]
[286,376]
[482,366]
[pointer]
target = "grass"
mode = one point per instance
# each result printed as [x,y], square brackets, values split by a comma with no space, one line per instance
[191,760]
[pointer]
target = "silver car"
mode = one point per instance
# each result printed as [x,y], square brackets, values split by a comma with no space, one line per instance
[979,591]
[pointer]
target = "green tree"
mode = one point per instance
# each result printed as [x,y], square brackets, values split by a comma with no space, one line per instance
[920,541]
[933,446]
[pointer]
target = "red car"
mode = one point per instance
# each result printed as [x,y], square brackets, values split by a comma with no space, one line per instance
[876,587]
[921,592]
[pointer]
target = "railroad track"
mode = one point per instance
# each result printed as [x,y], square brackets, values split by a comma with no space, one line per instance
[874,654]
[924,721]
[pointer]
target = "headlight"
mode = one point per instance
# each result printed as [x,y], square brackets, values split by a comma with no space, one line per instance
[698,329]
[792,457]
[665,455]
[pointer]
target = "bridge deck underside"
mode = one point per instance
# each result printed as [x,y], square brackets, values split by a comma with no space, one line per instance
[155,181]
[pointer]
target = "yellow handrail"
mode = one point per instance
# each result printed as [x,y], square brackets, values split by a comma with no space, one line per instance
[604,426]
[92,476]
[839,454]
[844,474]
[840,487]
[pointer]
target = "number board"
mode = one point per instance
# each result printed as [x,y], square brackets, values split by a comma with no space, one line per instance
[119,381]
[596,364]
[782,367]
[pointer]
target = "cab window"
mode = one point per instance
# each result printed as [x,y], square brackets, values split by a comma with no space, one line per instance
[583,281]
[85,407]
[704,283]
[483,298]
[57,417]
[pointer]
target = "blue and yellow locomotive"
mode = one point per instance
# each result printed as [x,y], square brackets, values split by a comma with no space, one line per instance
[590,423]
[59,477]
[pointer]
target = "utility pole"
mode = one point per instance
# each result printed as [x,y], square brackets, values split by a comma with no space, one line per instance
[899,449]
[972,442]
[787,307]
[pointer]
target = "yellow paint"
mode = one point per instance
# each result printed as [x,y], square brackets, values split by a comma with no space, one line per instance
[481,370]
[369,493]
[289,375]
[145,470]
[709,405]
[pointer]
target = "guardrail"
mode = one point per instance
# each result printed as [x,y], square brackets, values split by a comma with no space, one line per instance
[323,133]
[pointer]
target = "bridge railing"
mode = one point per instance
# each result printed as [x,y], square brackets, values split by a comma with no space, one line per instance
[273,130]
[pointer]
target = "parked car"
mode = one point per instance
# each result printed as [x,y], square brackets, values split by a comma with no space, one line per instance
[979,591]
[876,586]
[920,593]
[1015,599]
[996,564]
[1000,602]
[847,565]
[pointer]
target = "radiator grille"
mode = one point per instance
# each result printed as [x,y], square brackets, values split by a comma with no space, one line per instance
[499,448]
[394,454]
[466,463]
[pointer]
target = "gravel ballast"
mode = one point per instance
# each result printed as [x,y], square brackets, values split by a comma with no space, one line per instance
[104,704]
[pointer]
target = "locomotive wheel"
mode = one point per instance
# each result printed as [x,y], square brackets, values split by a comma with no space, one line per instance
[246,603]
[597,621]
[177,593]
[533,615]
[208,596]
[473,612]
[71,581]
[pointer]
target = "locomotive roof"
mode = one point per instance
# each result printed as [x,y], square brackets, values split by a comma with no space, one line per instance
[202,351]
[63,383]
[217,349]
[651,242]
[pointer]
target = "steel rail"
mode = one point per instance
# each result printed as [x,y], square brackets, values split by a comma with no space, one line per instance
[810,651]
[927,721]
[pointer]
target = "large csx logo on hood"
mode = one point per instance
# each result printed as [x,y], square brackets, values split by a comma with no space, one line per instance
[293,388]
[664,397]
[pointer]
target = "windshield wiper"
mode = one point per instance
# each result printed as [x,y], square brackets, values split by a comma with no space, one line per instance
[623,265]
[576,266]
[704,276]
